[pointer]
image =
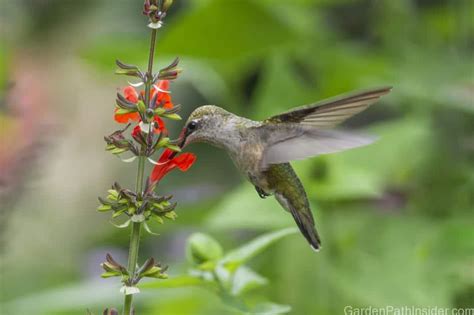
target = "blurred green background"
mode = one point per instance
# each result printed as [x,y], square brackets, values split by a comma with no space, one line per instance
[396,218]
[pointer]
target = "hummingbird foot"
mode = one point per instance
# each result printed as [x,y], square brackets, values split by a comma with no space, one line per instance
[261,192]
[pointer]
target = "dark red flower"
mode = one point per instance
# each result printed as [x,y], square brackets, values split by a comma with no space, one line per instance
[136,131]
[168,161]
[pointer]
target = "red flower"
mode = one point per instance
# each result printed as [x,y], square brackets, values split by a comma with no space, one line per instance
[136,131]
[131,95]
[168,162]
[162,99]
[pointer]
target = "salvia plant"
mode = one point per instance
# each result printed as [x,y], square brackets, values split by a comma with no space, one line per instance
[144,107]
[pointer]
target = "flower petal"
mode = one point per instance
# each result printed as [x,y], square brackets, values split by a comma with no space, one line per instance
[125,118]
[166,164]
[163,86]
[184,161]
[129,290]
[130,94]
[136,131]
[166,156]
[128,160]
[144,127]
[161,125]
[136,84]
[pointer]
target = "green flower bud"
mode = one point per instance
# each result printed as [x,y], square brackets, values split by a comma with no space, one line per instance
[141,107]
[167,4]
[202,248]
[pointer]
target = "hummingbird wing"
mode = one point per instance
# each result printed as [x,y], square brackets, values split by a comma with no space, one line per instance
[301,133]
[299,143]
[331,112]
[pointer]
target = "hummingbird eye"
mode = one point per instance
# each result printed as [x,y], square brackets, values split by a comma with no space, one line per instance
[192,125]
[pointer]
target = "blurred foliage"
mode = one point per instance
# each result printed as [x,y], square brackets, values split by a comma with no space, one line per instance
[396,218]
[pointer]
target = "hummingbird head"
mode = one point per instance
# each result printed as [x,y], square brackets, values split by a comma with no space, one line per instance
[209,124]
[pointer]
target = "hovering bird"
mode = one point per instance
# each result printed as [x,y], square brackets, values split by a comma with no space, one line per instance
[262,150]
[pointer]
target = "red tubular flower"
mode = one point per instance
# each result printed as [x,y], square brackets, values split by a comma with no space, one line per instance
[136,131]
[131,95]
[160,125]
[163,98]
[168,162]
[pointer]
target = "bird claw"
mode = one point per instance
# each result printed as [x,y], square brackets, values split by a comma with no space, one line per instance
[261,192]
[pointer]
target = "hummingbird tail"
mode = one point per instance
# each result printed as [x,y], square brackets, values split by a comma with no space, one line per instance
[303,218]
[307,228]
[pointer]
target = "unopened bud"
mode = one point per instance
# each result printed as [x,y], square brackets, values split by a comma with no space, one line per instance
[202,248]
[167,4]
[141,107]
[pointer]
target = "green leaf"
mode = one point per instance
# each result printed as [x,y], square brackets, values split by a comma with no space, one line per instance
[245,279]
[241,255]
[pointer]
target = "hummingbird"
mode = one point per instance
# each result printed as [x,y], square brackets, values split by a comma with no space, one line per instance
[262,150]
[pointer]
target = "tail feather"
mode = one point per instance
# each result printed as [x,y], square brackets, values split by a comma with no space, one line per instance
[304,219]
[306,225]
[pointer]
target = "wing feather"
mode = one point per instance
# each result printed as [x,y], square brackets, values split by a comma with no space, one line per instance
[311,142]
[331,112]
[302,132]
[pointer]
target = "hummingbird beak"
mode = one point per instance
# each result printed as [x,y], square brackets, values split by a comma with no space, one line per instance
[182,138]
[181,142]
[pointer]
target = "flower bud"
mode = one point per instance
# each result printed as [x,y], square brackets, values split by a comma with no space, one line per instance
[141,107]
[202,248]
[167,4]
[150,113]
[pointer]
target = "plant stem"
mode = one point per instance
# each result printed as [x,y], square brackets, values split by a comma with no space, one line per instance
[136,226]
[132,262]
[134,238]
[149,73]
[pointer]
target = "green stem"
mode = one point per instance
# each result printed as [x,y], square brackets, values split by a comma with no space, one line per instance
[134,238]
[149,73]
[140,173]
[136,226]
[132,261]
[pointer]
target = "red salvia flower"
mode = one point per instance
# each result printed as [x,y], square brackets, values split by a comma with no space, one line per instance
[130,95]
[136,131]
[163,98]
[168,161]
